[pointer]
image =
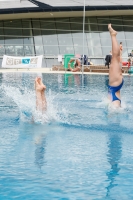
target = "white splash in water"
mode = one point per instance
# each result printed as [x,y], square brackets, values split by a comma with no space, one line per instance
[107,104]
[25,100]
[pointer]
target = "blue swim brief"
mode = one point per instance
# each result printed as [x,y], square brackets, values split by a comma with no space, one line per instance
[113,89]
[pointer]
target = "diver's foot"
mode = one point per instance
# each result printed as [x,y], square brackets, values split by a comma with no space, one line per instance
[111,30]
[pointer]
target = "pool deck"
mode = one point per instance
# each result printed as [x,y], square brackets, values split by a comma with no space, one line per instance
[49,71]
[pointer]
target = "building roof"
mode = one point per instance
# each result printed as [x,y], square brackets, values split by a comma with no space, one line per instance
[27,6]
[12,4]
[79,3]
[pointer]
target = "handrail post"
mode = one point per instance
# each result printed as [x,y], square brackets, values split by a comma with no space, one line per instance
[83,35]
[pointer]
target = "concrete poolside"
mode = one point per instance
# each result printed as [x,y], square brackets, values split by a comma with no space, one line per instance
[48,70]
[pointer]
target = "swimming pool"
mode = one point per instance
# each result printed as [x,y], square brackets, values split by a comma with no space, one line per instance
[80,151]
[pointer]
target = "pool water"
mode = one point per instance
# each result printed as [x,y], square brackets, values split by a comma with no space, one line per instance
[79,150]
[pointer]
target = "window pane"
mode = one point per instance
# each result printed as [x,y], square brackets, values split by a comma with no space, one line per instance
[1,40]
[106,50]
[37,37]
[125,54]
[29,50]
[95,51]
[1,31]
[14,50]
[48,25]
[116,20]
[94,42]
[1,24]
[66,49]
[28,40]
[63,24]
[105,35]
[92,20]
[19,51]
[1,62]
[51,50]
[79,49]
[13,40]
[92,35]
[10,50]
[2,50]
[76,24]
[13,23]
[17,32]
[39,50]
[26,24]
[78,43]
[129,43]
[93,26]
[128,28]
[103,27]
[106,42]
[64,38]
[49,34]
[36,24]
[128,18]
[49,39]
[78,38]
[120,31]
[103,21]
[27,32]
[88,36]
[128,32]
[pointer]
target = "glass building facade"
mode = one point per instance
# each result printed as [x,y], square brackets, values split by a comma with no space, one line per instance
[51,37]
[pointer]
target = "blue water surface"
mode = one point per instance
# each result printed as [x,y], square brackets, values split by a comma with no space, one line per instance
[82,150]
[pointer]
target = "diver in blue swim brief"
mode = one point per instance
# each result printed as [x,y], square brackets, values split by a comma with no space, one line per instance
[113,89]
[115,72]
